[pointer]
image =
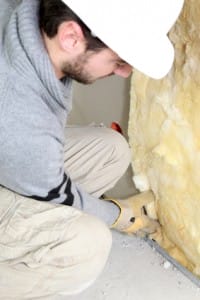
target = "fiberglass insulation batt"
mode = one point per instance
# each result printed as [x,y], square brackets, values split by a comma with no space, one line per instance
[164,132]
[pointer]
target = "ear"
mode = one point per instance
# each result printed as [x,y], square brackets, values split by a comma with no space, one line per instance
[70,37]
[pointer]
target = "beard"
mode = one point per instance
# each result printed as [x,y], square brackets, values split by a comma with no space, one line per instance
[76,69]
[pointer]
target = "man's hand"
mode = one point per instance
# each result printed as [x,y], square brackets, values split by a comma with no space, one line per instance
[137,214]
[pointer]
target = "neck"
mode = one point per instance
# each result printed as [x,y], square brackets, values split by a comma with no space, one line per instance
[50,44]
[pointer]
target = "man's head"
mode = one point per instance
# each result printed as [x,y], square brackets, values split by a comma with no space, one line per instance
[73,48]
[134,29]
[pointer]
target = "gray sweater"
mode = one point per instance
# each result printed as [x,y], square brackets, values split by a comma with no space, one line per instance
[34,106]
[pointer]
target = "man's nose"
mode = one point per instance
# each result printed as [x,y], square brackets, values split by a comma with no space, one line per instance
[124,71]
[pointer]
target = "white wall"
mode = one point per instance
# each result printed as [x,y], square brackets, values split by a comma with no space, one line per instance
[105,101]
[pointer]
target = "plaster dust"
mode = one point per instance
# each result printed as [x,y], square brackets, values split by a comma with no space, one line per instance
[164,131]
[135,272]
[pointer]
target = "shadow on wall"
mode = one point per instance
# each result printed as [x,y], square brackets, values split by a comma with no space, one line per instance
[105,101]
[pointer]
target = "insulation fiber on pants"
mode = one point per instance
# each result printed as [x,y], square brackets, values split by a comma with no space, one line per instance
[164,131]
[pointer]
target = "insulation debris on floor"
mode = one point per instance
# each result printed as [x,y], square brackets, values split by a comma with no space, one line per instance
[164,133]
[136,272]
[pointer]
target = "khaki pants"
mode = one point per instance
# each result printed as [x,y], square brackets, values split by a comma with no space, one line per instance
[48,249]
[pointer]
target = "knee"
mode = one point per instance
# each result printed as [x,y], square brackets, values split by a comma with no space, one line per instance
[98,237]
[94,240]
[119,147]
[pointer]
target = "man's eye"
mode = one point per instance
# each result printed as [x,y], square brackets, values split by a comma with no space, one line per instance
[120,64]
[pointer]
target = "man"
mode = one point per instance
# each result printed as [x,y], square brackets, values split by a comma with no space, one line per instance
[54,231]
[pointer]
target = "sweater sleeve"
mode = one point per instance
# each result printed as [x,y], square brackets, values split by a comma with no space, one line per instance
[31,156]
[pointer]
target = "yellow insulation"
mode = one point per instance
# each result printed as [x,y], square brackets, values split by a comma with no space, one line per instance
[164,132]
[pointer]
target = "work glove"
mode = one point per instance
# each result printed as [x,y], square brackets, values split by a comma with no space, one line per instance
[137,214]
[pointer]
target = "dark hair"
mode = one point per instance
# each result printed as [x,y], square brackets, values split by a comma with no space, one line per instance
[54,12]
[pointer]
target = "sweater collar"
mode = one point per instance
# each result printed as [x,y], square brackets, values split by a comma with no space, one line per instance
[26,52]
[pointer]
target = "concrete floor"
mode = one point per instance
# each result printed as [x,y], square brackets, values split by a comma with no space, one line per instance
[136,272]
